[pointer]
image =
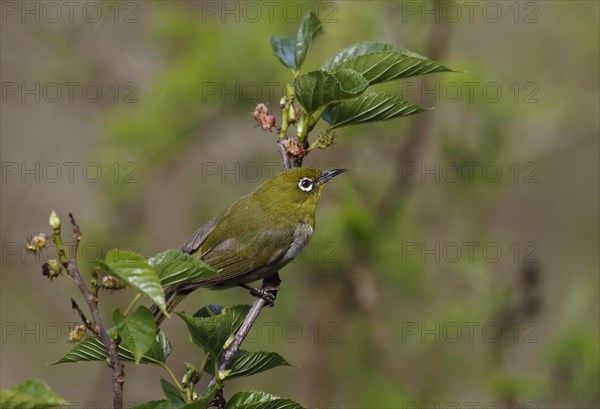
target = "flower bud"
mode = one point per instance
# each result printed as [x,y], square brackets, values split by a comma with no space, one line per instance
[325,140]
[264,118]
[294,148]
[77,333]
[36,243]
[112,283]
[52,268]
[54,220]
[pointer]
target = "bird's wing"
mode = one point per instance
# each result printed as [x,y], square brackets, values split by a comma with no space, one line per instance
[195,241]
[243,259]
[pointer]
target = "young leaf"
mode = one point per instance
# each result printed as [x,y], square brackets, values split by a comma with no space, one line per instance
[379,62]
[30,394]
[291,51]
[175,267]
[92,349]
[209,333]
[137,332]
[203,400]
[310,27]
[320,88]
[260,400]
[375,106]
[210,330]
[248,363]
[285,49]
[172,393]
[135,271]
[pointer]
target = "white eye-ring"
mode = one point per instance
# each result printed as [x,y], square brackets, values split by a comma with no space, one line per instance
[305,184]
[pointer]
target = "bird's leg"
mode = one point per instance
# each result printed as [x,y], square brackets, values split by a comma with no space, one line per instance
[268,290]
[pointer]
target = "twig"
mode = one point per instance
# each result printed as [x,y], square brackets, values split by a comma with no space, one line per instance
[271,283]
[285,159]
[96,326]
[88,324]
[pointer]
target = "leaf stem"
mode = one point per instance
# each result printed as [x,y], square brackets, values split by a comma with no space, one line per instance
[131,304]
[172,375]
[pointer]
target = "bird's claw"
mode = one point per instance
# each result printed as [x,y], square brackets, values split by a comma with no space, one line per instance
[269,294]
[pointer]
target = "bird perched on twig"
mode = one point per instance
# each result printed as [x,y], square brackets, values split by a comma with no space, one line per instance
[256,236]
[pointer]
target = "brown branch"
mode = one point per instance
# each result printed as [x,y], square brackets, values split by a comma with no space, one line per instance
[88,324]
[285,159]
[96,326]
[270,284]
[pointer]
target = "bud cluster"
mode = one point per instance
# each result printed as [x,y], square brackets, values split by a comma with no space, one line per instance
[293,148]
[264,118]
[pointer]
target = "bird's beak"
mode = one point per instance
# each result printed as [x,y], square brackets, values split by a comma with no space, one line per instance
[327,175]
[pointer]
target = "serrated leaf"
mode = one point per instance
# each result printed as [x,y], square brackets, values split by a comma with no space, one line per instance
[317,89]
[309,28]
[379,62]
[30,394]
[137,332]
[291,51]
[260,400]
[238,314]
[172,394]
[210,332]
[362,48]
[92,349]
[137,273]
[203,400]
[247,363]
[175,267]
[375,106]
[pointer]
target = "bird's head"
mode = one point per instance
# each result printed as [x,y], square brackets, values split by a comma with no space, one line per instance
[298,186]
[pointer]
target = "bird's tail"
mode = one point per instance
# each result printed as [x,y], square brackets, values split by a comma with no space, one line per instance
[172,298]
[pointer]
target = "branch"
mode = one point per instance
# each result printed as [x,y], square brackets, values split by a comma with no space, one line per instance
[96,326]
[270,284]
[285,159]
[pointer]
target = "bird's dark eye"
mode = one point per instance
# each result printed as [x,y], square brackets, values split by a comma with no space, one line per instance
[305,184]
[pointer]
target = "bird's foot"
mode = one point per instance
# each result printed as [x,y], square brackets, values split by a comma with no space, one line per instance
[268,294]
[268,291]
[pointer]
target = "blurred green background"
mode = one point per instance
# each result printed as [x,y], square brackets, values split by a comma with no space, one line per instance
[421,287]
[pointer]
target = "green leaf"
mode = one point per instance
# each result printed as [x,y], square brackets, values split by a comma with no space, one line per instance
[172,393]
[137,331]
[260,400]
[317,89]
[238,314]
[248,363]
[375,106]
[379,62]
[175,267]
[210,332]
[92,349]
[285,49]
[203,400]
[310,27]
[292,51]
[135,271]
[30,394]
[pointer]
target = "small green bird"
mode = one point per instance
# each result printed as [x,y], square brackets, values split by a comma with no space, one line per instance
[257,235]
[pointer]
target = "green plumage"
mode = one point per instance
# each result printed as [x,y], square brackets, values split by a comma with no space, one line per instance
[257,235]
